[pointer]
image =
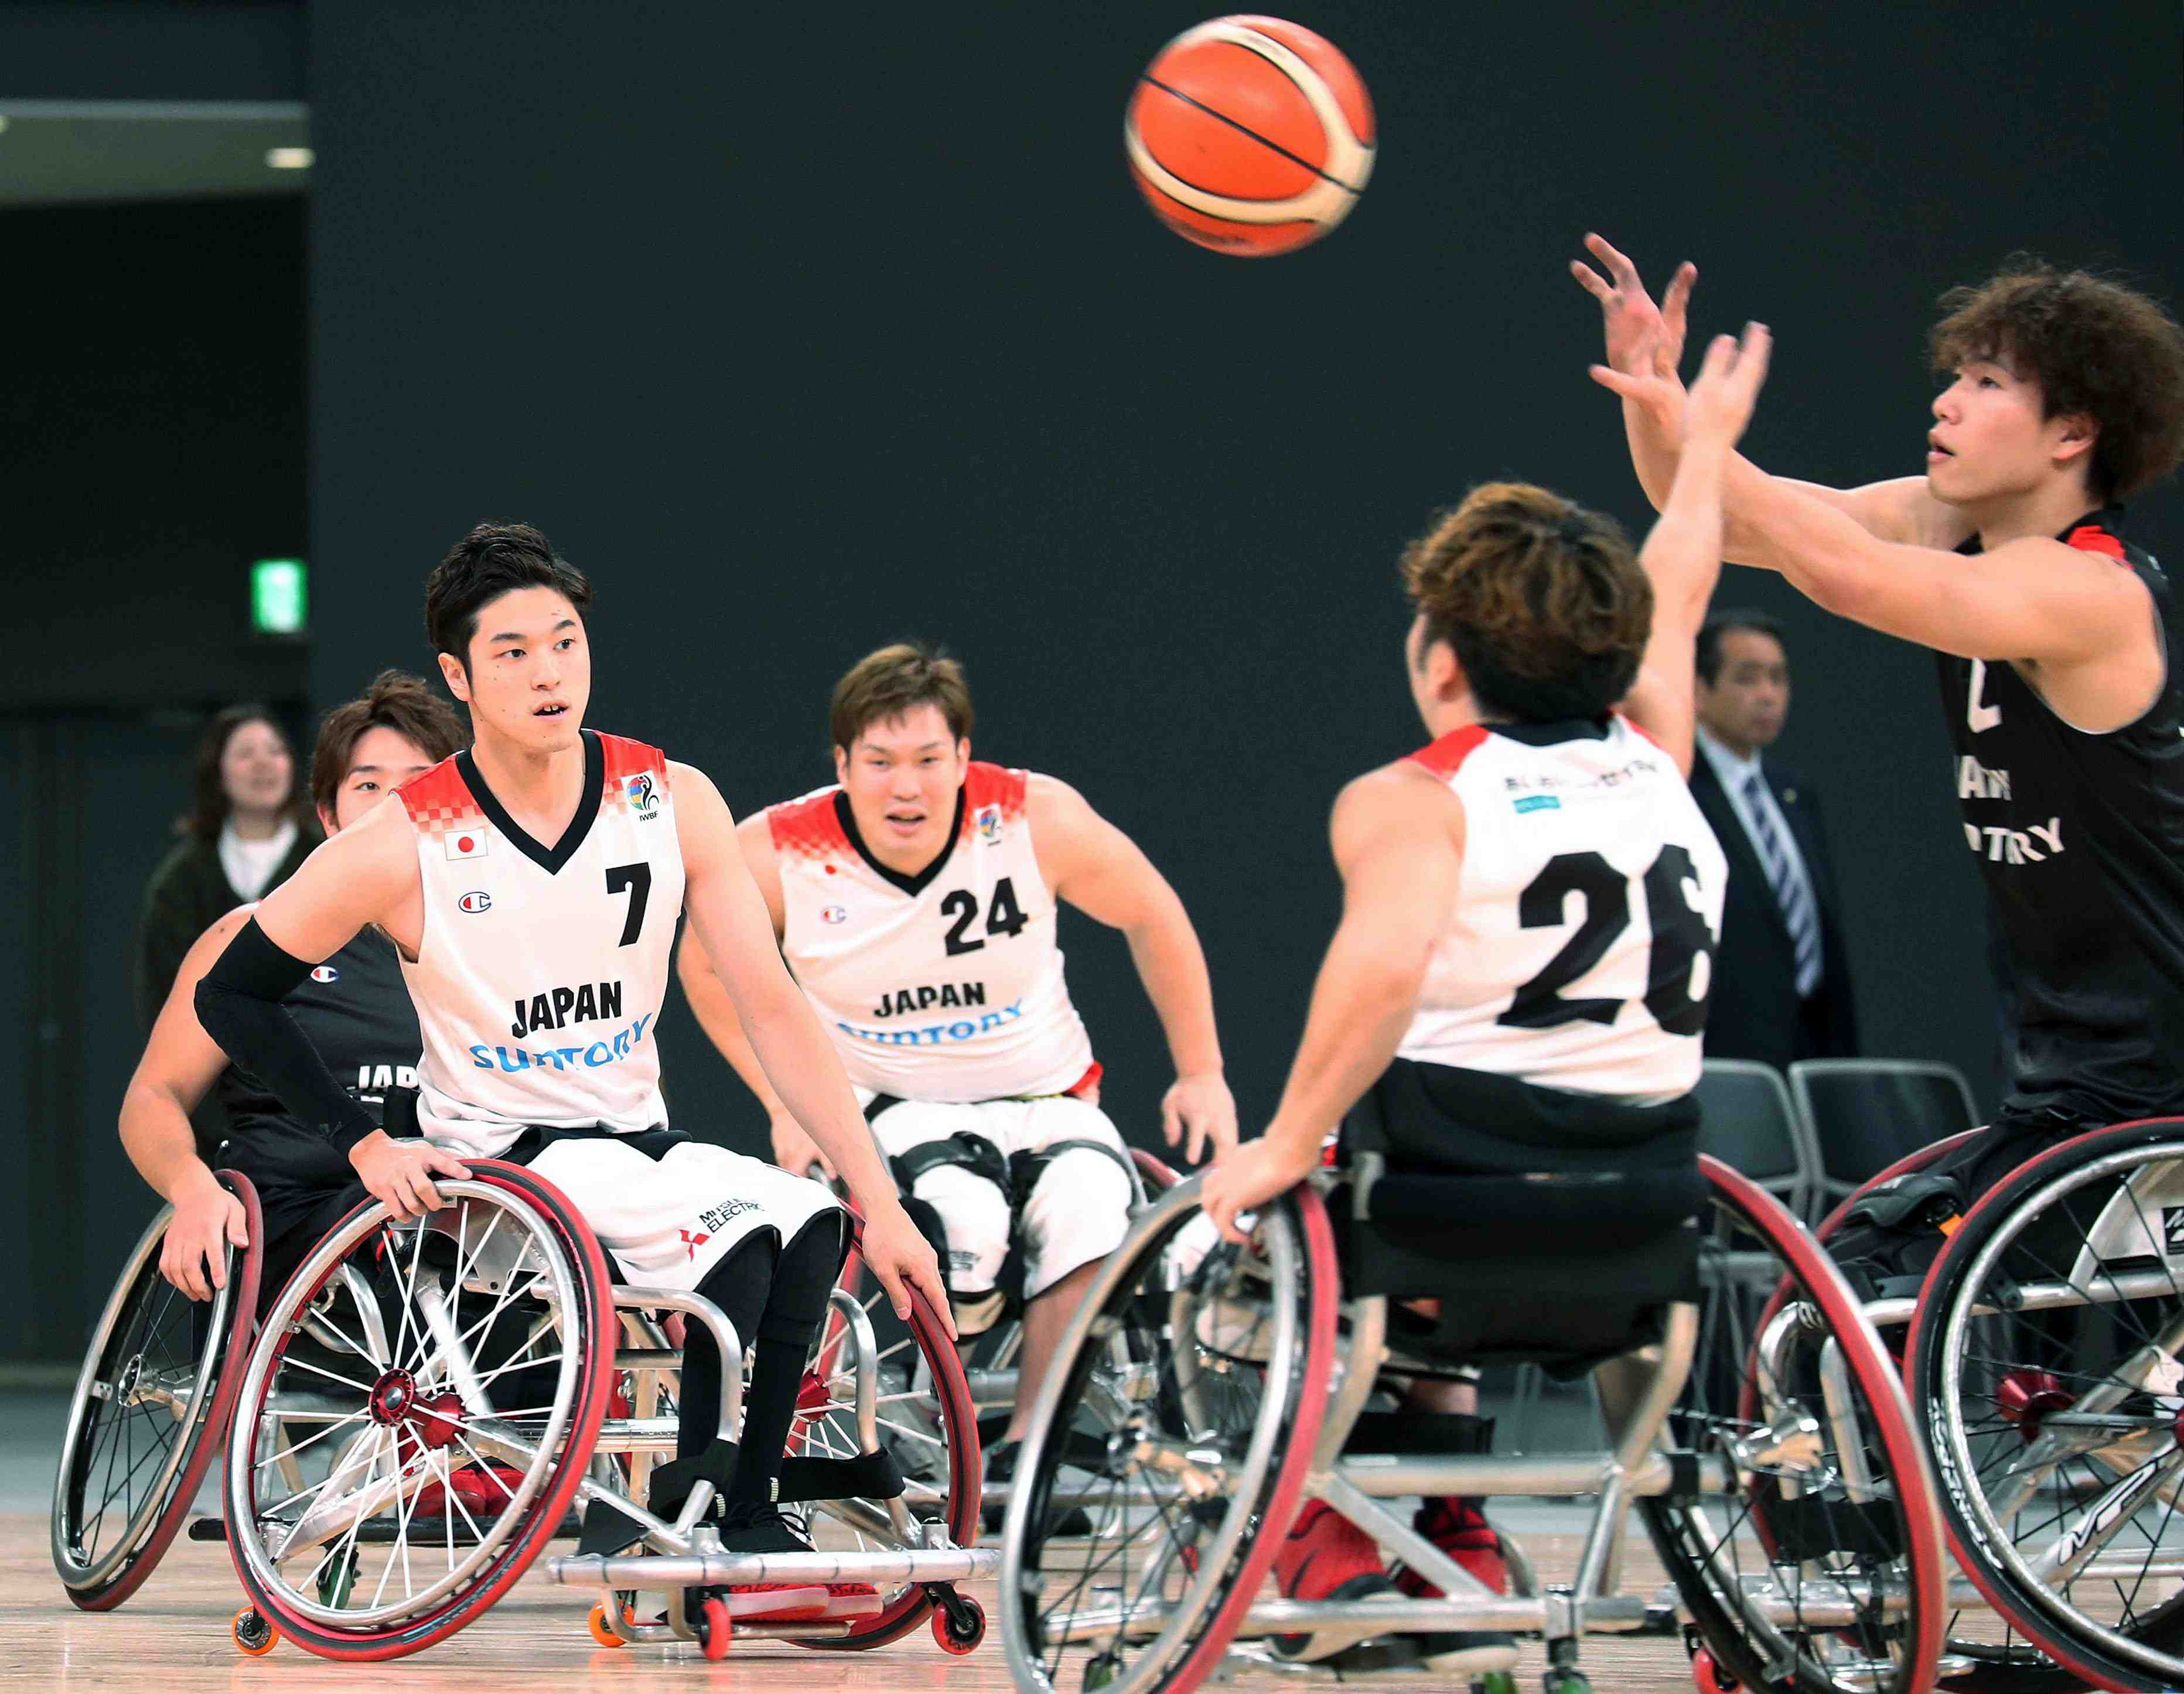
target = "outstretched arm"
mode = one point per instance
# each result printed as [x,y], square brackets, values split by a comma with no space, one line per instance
[730,918]
[1682,555]
[1645,348]
[1398,837]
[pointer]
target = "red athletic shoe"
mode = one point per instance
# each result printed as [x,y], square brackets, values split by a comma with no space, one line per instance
[1460,1529]
[1326,1556]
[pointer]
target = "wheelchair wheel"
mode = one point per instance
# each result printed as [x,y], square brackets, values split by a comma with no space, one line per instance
[1188,1454]
[1823,1570]
[929,1422]
[417,1415]
[2043,1357]
[151,1403]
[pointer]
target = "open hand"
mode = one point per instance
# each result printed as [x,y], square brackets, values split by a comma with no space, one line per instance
[1642,338]
[1720,403]
[1202,1108]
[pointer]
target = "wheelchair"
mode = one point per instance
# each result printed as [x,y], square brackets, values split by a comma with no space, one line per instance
[2042,1351]
[1780,1481]
[427,1404]
[151,1402]
[909,1422]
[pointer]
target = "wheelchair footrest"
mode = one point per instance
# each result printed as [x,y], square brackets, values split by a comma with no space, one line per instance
[726,1569]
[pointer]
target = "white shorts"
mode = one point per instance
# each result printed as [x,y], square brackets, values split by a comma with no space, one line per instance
[668,1221]
[1077,1211]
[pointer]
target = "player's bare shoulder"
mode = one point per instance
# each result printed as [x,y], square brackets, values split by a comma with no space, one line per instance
[704,829]
[1403,804]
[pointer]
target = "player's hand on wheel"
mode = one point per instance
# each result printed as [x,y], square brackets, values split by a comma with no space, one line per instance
[898,1255]
[193,1256]
[1243,1179]
[795,1151]
[1201,1107]
[399,1174]
[1643,339]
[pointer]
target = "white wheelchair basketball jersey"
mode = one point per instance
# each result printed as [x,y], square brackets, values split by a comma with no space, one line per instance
[541,971]
[943,986]
[1581,951]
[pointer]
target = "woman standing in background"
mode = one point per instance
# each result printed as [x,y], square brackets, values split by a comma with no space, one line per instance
[247,830]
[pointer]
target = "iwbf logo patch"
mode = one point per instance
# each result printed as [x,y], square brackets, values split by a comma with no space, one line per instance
[644,799]
[477,899]
[989,825]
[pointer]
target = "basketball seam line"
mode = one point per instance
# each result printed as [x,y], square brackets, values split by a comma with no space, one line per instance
[1222,117]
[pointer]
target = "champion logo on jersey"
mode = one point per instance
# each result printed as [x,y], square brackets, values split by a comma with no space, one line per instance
[644,798]
[477,899]
[989,825]
[325,973]
[465,844]
[835,914]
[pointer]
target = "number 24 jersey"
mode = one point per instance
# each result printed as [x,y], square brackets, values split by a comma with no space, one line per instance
[946,985]
[1581,951]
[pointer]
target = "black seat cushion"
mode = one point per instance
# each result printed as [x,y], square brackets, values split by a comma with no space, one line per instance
[1551,1228]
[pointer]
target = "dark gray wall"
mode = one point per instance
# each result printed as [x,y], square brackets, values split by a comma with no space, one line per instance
[801,334]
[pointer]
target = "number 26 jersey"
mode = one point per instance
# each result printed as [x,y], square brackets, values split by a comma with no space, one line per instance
[1579,954]
[946,985]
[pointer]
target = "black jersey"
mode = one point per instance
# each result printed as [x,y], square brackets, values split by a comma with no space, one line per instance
[2081,839]
[355,1010]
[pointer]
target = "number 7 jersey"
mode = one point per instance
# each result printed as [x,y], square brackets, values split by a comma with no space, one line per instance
[943,986]
[541,971]
[1579,954]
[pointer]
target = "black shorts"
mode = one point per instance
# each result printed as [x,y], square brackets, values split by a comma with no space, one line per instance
[305,1186]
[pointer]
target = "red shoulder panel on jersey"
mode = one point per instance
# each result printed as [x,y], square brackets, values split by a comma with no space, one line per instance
[988,786]
[438,800]
[1444,756]
[2091,538]
[809,827]
[1640,729]
[636,774]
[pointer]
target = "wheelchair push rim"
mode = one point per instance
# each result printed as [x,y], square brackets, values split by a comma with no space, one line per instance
[396,1402]
[1874,1532]
[2000,1424]
[192,1399]
[1219,1576]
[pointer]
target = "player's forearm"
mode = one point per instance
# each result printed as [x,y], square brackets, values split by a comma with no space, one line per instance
[1655,449]
[1682,554]
[716,1013]
[1171,965]
[156,1135]
[1361,1006]
[799,1061]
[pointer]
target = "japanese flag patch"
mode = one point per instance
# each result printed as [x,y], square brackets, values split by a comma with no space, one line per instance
[465,844]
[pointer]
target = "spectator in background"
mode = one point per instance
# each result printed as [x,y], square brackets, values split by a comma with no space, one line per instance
[247,830]
[1781,981]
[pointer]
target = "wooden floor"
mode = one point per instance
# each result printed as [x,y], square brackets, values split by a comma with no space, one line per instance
[173,1637]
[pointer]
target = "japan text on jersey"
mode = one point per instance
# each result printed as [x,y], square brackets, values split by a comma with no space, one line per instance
[946,984]
[543,967]
[1580,952]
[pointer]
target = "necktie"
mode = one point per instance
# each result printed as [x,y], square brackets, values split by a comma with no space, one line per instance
[1791,893]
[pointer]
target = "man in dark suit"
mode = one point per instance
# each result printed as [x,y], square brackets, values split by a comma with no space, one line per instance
[1781,981]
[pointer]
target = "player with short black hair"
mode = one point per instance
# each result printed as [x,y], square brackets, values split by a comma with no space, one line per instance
[531,884]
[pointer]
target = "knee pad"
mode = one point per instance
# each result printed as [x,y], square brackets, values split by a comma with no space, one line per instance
[973,1210]
[1077,1212]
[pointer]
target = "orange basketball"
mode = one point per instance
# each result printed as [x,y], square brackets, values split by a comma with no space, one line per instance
[1249,135]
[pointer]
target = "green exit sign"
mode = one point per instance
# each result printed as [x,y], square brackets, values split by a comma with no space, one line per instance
[280,597]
